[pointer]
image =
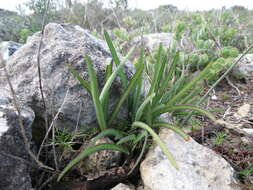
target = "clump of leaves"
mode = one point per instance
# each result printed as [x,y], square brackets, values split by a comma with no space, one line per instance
[227,52]
[165,94]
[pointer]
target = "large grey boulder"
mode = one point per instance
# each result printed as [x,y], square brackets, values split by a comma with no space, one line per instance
[200,167]
[7,48]
[62,45]
[244,68]
[14,167]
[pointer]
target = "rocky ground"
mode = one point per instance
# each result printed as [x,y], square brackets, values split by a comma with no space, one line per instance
[234,140]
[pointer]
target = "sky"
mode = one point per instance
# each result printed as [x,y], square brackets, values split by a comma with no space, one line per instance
[151,4]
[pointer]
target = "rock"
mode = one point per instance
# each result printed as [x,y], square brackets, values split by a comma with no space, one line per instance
[244,68]
[100,161]
[122,186]
[243,111]
[214,97]
[152,41]
[7,48]
[62,45]
[14,169]
[200,167]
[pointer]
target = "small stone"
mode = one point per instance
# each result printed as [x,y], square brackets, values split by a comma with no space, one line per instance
[99,161]
[122,186]
[214,97]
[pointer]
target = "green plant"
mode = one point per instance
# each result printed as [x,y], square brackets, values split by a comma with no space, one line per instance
[247,172]
[24,33]
[220,137]
[62,138]
[162,97]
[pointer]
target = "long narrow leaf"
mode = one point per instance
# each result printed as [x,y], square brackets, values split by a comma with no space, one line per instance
[95,94]
[88,152]
[189,85]
[105,103]
[83,82]
[144,146]
[165,108]
[107,132]
[157,139]
[137,91]
[127,139]
[174,128]
[172,91]
[115,58]
[140,136]
[109,82]
[125,95]
[142,107]
[158,66]
[190,96]
[169,76]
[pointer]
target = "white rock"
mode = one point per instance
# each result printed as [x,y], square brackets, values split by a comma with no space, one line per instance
[152,41]
[249,132]
[3,124]
[243,111]
[244,67]
[7,48]
[122,186]
[200,167]
[214,97]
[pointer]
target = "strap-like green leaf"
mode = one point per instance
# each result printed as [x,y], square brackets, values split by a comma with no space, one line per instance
[157,139]
[95,94]
[158,66]
[137,91]
[144,146]
[188,86]
[128,138]
[165,108]
[169,75]
[142,107]
[118,134]
[115,58]
[126,94]
[83,82]
[109,82]
[88,152]
[172,127]
[105,103]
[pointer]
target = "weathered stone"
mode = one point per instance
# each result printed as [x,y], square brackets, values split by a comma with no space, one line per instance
[244,68]
[7,48]
[122,186]
[14,170]
[62,45]
[200,167]
[152,41]
[100,161]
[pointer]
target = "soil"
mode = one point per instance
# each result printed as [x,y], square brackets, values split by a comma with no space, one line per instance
[231,144]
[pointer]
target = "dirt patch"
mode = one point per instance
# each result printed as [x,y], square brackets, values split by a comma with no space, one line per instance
[231,142]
